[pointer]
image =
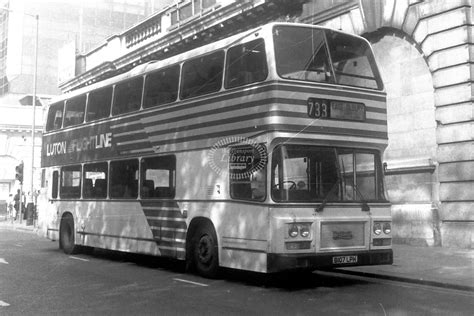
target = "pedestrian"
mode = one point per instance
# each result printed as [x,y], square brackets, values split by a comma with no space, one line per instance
[10,206]
[16,203]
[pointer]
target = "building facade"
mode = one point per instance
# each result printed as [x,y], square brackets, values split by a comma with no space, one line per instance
[65,29]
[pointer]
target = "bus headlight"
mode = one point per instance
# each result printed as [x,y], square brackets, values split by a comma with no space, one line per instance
[304,230]
[293,231]
[387,228]
[377,228]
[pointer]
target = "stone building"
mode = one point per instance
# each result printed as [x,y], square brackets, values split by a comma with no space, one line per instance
[66,26]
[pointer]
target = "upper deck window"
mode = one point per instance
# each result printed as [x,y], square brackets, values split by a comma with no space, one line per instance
[75,109]
[98,105]
[161,87]
[309,54]
[128,96]
[202,75]
[246,63]
[55,116]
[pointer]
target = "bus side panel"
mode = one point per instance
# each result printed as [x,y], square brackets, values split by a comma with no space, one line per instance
[243,231]
[241,226]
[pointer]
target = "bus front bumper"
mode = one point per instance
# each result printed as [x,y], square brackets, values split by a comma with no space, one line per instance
[284,262]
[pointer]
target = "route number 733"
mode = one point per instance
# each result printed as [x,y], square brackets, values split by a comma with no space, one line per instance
[318,108]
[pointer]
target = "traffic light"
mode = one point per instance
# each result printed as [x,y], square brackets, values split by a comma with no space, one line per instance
[19,172]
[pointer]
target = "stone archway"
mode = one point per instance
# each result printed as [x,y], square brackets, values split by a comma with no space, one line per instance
[442,32]
[411,154]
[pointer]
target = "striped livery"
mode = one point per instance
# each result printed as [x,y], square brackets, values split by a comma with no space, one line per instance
[168,226]
[199,123]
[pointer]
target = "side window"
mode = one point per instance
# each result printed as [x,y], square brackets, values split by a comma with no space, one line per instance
[246,63]
[128,96]
[247,172]
[75,109]
[55,116]
[124,179]
[70,182]
[55,185]
[98,105]
[95,180]
[202,75]
[158,177]
[365,175]
[161,87]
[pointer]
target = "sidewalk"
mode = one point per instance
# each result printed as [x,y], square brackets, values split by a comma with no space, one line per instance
[17,225]
[442,267]
[437,266]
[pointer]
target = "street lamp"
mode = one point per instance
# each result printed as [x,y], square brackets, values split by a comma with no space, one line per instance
[33,124]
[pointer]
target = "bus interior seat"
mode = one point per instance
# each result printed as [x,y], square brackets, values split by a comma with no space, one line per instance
[163,192]
[87,187]
[100,188]
[148,188]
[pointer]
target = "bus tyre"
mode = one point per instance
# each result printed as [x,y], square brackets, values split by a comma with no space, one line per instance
[205,251]
[67,236]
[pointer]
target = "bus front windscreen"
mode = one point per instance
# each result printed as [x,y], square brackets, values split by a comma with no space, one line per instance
[313,173]
[321,55]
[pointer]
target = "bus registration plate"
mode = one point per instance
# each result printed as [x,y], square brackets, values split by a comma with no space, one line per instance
[344,259]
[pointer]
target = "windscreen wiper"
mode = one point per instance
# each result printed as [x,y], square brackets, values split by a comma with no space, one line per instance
[365,205]
[321,206]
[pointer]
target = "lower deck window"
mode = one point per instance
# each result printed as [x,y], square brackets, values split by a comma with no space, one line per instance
[247,172]
[158,177]
[124,179]
[70,182]
[95,180]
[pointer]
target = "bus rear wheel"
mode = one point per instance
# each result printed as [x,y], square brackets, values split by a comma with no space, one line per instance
[205,251]
[67,235]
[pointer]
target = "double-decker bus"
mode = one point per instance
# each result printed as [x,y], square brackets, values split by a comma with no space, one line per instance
[261,152]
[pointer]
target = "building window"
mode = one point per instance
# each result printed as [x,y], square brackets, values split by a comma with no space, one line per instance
[208,3]
[185,12]
[174,17]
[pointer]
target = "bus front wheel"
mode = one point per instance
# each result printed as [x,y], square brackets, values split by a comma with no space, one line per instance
[67,235]
[205,251]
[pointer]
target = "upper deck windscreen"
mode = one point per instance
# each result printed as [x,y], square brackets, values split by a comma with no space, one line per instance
[321,55]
